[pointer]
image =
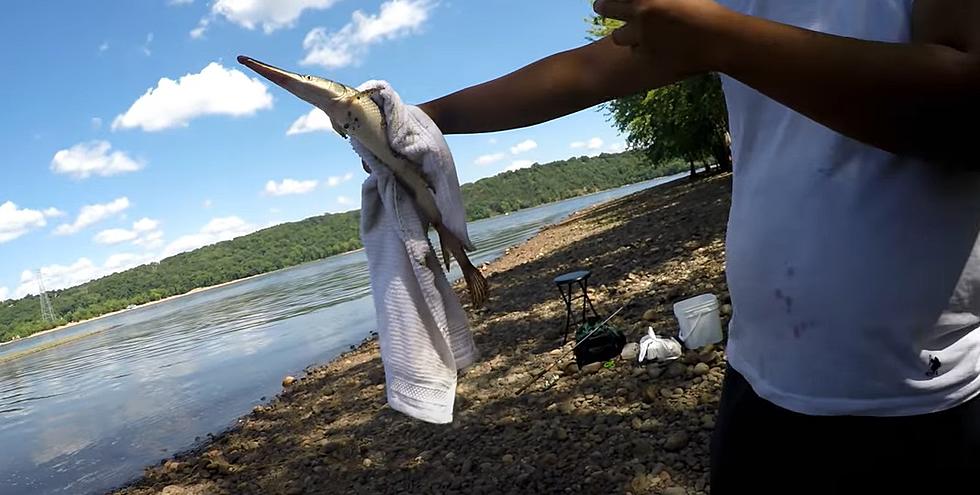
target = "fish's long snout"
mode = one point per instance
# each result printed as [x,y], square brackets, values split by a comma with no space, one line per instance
[279,76]
[320,92]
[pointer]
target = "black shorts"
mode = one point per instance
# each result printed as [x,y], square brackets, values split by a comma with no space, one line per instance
[758,447]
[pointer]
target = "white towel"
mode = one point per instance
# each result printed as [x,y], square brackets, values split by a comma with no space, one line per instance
[424,333]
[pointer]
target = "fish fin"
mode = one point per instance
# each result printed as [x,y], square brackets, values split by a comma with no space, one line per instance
[445,254]
[476,283]
[338,129]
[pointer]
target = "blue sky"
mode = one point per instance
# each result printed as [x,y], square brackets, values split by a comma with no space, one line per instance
[130,133]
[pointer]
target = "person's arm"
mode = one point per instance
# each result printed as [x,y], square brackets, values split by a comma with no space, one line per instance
[920,98]
[550,88]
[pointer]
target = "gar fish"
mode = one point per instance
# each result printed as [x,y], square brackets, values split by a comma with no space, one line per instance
[355,113]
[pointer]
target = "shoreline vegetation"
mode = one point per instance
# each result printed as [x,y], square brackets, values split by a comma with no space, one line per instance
[312,239]
[627,428]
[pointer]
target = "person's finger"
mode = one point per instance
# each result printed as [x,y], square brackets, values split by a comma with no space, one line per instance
[623,10]
[628,35]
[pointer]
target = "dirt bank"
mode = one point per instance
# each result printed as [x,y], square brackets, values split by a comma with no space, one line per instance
[629,429]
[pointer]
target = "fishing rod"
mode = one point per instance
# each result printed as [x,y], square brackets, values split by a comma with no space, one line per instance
[562,356]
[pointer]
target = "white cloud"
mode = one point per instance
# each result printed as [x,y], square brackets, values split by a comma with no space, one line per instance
[617,147]
[151,240]
[208,203]
[488,159]
[198,32]
[145,225]
[335,181]
[592,144]
[344,201]
[397,18]
[16,221]
[492,140]
[213,91]
[289,186]
[92,214]
[57,277]
[217,230]
[145,233]
[270,14]
[519,164]
[115,236]
[523,147]
[93,158]
[146,45]
[4,293]
[314,121]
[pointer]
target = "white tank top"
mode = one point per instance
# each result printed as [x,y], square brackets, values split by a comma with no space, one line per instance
[854,273]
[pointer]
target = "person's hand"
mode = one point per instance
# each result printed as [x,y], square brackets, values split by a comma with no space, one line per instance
[680,37]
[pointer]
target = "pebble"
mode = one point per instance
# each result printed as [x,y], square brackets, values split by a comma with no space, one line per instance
[367,462]
[591,368]
[650,315]
[701,369]
[561,434]
[676,441]
[507,459]
[630,351]
[655,371]
[570,368]
[675,490]
[566,407]
[289,380]
[649,393]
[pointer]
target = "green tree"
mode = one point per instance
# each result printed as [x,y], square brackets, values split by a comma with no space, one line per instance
[687,120]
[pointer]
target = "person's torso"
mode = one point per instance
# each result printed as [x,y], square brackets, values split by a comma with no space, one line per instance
[841,257]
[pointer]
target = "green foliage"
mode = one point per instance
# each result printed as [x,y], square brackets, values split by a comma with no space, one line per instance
[541,184]
[313,239]
[686,120]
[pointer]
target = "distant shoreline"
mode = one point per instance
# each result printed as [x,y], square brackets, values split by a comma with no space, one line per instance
[121,311]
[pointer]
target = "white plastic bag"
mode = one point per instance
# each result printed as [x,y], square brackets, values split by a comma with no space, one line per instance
[654,348]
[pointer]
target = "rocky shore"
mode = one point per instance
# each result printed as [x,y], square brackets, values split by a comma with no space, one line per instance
[639,429]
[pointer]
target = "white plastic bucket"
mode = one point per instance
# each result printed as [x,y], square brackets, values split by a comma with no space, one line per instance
[699,321]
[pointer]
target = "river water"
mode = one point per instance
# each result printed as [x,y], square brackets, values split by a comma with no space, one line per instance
[127,390]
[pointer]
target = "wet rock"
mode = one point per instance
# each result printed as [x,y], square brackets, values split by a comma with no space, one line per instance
[289,380]
[676,441]
[701,369]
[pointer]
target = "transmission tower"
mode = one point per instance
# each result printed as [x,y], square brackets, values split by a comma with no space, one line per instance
[47,313]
